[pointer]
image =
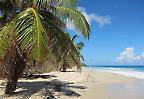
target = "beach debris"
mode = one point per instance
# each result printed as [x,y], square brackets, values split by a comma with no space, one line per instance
[34,76]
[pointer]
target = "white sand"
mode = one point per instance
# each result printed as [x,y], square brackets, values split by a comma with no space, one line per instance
[85,85]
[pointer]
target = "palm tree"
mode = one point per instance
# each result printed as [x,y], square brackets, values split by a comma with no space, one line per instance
[31,29]
[66,61]
[79,46]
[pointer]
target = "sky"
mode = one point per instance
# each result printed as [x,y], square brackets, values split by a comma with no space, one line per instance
[117,32]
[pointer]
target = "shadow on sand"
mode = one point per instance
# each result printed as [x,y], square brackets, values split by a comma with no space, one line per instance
[47,89]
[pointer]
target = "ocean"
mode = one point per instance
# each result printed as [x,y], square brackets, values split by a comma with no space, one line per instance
[131,71]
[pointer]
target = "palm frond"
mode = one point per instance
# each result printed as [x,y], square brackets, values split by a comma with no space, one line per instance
[27,28]
[31,33]
[4,43]
[74,37]
[53,3]
[77,19]
[82,57]
[38,39]
[80,45]
[40,30]
[49,16]
[68,3]
[60,43]
[42,4]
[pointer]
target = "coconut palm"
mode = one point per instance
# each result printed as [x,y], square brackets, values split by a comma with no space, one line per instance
[67,60]
[31,29]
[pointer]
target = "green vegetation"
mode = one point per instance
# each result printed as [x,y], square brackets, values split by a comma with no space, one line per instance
[33,30]
[66,60]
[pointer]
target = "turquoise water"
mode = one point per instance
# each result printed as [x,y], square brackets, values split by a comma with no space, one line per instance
[136,68]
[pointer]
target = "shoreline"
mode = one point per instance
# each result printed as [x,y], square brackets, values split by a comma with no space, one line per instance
[89,84]
[121,71]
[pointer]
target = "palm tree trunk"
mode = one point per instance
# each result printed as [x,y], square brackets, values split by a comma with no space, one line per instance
[64,66]
[16,64]
[15,73]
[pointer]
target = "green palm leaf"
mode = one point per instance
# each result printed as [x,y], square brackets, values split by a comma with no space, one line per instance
[61,43]
[28,31]
[76,17]
[68,3]
[31,33]
[38,39]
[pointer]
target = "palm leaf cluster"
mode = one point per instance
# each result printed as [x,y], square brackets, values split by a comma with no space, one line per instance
[38,27]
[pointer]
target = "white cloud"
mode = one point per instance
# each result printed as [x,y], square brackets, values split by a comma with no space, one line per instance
[128,56]
[92,17]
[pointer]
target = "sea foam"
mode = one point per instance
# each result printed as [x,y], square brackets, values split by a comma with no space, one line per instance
[125,72]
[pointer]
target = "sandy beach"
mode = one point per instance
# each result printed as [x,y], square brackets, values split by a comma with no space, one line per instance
[88,84]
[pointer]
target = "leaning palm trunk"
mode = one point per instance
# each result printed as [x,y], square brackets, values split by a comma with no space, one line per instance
[16,64]
[64,66]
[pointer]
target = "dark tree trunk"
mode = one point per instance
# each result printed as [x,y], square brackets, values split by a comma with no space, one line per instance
[63,69]
[15,73]
[64,66]
[16,64]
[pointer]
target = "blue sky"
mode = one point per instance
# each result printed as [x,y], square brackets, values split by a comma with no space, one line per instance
[117,32]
